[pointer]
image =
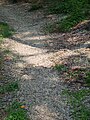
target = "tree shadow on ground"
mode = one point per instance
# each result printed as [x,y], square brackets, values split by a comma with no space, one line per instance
[41,88]
[55,42]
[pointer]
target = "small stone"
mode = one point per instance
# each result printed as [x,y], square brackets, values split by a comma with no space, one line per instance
[75,68]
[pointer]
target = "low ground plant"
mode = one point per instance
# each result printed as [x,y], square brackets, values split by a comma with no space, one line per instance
[77,99]
[76,10]
[9,87]
[5,30]
[16,112]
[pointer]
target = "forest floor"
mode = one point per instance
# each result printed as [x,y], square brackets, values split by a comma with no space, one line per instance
[32,60]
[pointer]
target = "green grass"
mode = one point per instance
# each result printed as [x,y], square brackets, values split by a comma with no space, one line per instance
[58,7]
[5,30]
[76,100]
[15,112]
[80,74]
[62,68]
[9,87]
[68,23]
[65,25]
[68,6]
[77,11]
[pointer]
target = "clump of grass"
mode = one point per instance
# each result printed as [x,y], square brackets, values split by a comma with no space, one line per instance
[68,6]
[9,87]
[68,23]
[5,30]
[15,112]
[77,11]
[65,25]
[76,99]
[61,68]
[57,7]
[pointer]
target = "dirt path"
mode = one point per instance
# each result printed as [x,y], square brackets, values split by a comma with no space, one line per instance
[40,86]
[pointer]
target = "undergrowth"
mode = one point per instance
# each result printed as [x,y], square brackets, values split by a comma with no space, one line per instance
[76,10]
[77,100]
[9,87]
[16,112]
[5,30]
[61,68]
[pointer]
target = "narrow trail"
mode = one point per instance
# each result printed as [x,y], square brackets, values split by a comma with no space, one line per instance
[40,86]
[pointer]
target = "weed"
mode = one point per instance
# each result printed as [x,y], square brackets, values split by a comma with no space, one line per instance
[68,6]
[5,30]
[58,7]
[75,74]
[9,87]
[76,99]
[77,10]
[65,25]
[68,23]
[15,112]
[61,68]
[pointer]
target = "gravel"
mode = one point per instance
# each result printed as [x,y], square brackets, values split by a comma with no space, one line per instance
[40,86]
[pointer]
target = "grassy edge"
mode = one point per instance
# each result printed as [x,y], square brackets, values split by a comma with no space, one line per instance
[76,100]
[5,30]
[16,110]
[10,87]
[79,110]
[77,10]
